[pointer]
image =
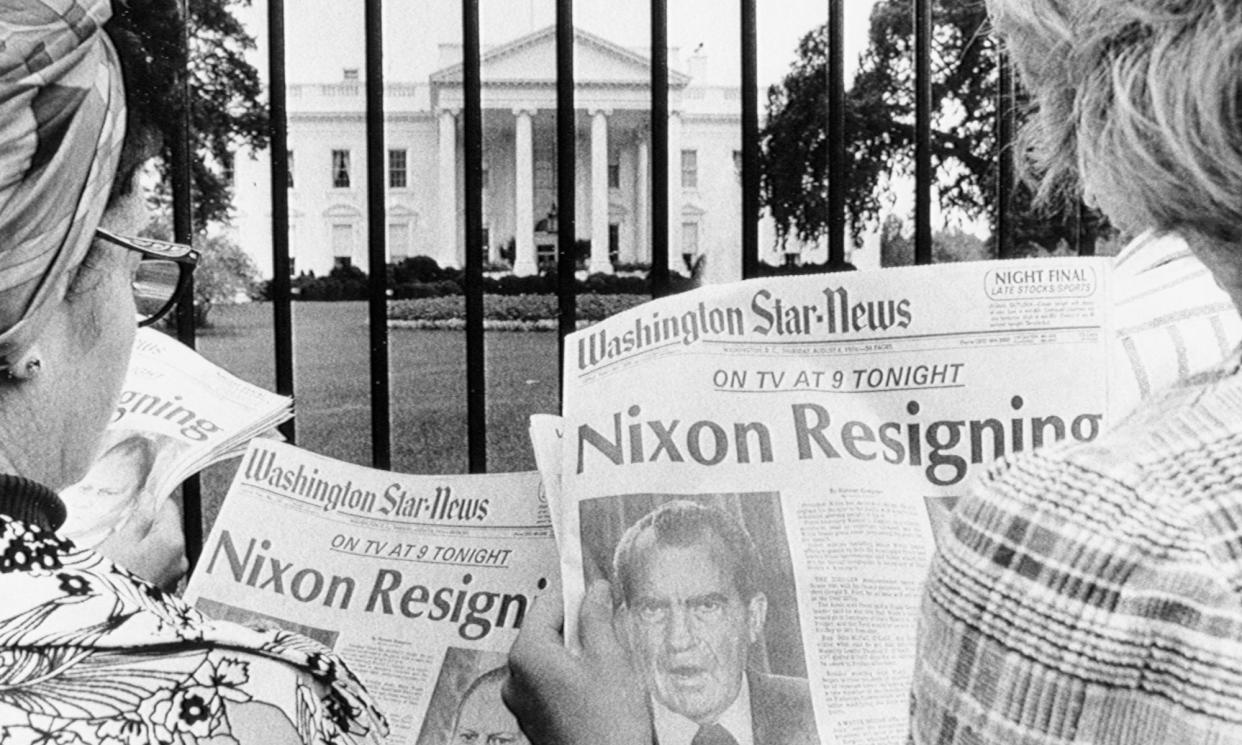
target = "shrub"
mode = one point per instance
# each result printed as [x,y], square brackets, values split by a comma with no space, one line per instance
[534,284]
[613,284]
[342,283]
[420,269]
[512,308]
[413,290]
[421,278]
[769,270]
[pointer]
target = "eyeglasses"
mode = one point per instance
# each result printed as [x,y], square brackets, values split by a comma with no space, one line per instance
[163,273]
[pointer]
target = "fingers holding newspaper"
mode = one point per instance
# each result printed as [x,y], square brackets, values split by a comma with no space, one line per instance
[154,551]
[562,698]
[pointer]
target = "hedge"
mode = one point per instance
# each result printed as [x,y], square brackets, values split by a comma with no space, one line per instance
[421,277]
[516,309]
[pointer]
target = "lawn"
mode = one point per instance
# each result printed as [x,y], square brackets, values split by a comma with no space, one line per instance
[427,383]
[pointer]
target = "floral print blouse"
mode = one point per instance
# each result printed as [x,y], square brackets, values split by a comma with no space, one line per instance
[89,653]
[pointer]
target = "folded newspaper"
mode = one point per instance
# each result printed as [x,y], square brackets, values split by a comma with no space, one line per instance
[178,414]
[420,582]
[756,468]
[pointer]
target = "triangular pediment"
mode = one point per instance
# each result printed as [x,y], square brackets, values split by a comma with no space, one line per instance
[531,59]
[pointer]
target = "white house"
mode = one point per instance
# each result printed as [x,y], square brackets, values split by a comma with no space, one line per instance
[423,137]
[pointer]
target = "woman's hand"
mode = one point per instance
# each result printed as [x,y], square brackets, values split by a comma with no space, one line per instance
[154,551]
[565,699]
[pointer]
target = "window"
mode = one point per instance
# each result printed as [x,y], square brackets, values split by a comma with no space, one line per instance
[340,169]
[614,243]
[350,74]
[689,169]
[342,244]
[396,169]
[342,262]
[737,164]
[398,240]
[545,256]
[485,178]
[689,242]
[614,176]
[289,163]
[227,171]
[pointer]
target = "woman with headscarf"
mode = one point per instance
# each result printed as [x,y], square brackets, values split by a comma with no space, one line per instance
[1085,592]
[88,651]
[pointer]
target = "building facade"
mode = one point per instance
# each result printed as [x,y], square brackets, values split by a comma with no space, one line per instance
[424,195]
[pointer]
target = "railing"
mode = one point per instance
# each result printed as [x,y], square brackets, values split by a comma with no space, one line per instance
[566,168]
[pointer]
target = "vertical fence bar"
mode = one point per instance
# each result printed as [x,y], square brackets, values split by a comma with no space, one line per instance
[659,148]
[377,224]
[183,232]
[567,208]
[1005,125]
[472,131]
[278,132]
[750,140]
[836,132]
[922,132]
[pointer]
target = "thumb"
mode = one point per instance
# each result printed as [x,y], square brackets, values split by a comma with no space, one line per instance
[542,625]
[595,629]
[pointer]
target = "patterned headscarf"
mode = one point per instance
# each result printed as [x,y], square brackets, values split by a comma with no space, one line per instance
[62,122]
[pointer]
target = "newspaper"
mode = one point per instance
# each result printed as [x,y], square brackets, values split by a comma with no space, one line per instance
[792,441]
[178,413]
[420,582]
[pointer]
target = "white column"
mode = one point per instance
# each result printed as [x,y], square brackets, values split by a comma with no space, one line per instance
[642,230]
[625,232]
[449,232]
[524,261]
[675,261]
[599,194]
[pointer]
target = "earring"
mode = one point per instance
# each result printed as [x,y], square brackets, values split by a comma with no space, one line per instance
[24,369]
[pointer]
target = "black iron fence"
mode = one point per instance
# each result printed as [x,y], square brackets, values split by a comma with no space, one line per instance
[565,199]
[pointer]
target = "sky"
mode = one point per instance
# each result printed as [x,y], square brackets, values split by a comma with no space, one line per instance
[325,36]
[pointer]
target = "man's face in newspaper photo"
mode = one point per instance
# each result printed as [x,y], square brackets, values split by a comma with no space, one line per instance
[483,719]
[689,628]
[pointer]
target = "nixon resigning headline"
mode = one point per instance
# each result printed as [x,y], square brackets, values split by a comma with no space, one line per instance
[943,448]
[391,591]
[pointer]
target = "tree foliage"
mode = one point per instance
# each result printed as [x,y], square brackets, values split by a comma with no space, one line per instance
[880,131]
[793,157]
[224,273]
[225,114]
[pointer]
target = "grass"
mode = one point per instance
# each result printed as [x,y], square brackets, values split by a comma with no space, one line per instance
[427,387]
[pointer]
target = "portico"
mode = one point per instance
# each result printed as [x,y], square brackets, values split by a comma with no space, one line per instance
[612,188]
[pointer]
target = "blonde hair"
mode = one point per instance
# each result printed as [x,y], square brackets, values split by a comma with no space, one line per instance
[1135,104]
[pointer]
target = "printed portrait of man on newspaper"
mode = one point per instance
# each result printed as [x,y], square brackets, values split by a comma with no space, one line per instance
[689,586]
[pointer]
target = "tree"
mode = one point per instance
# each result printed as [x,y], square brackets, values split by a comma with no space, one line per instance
[793,157]
[879,123]
[224,109]
[950,244]
[224,272]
